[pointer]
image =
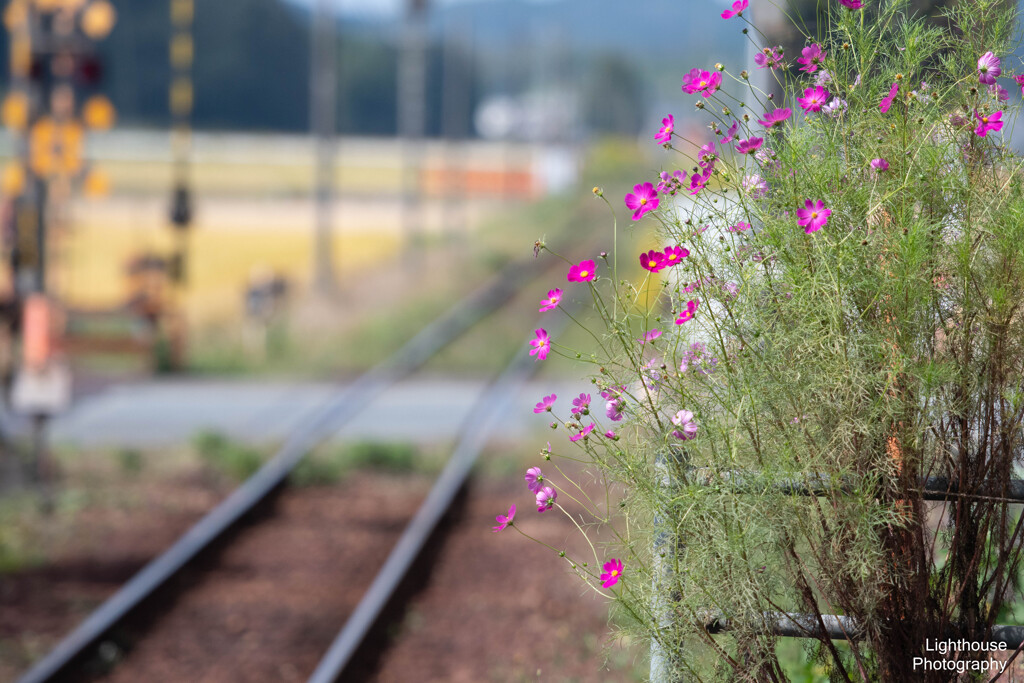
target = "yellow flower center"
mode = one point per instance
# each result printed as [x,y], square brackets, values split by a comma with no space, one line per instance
[652,263]
[703,84]
[643,201]
[584,273]
[615,572]
[672,257]
[984,119]
[814,214]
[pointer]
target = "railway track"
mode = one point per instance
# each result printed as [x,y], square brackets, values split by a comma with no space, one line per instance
[158,583]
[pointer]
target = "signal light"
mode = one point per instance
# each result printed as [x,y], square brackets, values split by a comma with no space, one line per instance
[90,70]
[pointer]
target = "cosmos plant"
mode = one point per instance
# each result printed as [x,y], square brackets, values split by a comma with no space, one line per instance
[809,314]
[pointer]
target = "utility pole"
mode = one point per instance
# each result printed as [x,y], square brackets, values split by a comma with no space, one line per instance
[412,110]
[323,104]
[455,104]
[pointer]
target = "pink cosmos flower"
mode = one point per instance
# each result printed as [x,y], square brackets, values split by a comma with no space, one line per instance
[545,404]
[750,145]
[650,336]
[887,100]
[546,499]
[736,11]
[534,479]
[769,58]
[671,183]
[988,68]
[776,118]
[613,568]
[988,122]
[653,261]
[642,199]
[583,433]
[554,297]
[755,185]
[999,92]
[706,156]
[812,58]
[581,404]
[687,426]
[688,314]
[836,107]
[504,520]
[704,82]
[1019,79]
[613,409]
[739,227]
[730,134]
[664,135]
[880,165]
[814,98]
[675,255]
[584,271]
[699,182]
[851,4]
[610,435]
[813,217]
[541,345]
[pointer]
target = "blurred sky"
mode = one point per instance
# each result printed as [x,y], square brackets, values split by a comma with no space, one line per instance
[391,7]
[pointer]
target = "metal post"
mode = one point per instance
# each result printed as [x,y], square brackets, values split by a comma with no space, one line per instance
[412,110]
[455,121]
[665,550]
[323,93]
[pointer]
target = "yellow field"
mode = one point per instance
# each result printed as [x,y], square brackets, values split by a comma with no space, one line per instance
[88,266]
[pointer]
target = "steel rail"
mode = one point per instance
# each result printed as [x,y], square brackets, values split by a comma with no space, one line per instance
[478,426]
[820,484]
[318,427]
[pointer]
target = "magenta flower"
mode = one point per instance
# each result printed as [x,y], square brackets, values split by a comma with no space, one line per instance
[988,122]
[650,336]
[704,82]
[730,134]
[581,404]
[836,107]
[736,11]
[545,404]
[671,183]
[534,479]
[988,68]
[776,118]
[504,520]
[584,271]
[610,435]
[769,58]
[664,135]
[541,345]
[706,156]
[739,227]
[613,568]
[687,426]
[642,199]
[653,261]
[814,99]
[688,314]
[546,499]
[999,92]
[812,58]
[699,182]
[887,100]
[675,255]
[554,297]
[1019,79]
[613,409]
[851,4]
[813,217]
[880,165]
[755,185]
[750,145]
[583,433]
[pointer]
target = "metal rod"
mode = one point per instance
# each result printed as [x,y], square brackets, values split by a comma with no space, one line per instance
[323,105]
[820,484]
